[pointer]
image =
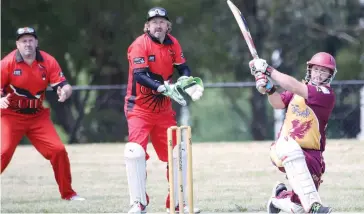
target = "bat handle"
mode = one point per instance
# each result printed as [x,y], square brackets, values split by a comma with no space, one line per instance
[269,85]
[270,81]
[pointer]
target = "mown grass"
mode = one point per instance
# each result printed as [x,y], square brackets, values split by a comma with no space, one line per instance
[228,177]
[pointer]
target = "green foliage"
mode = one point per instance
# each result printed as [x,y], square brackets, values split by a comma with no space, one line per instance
[215,117]
[90,41]
[349,65]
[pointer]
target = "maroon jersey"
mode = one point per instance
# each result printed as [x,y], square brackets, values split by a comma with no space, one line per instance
[160,59]
[306,119]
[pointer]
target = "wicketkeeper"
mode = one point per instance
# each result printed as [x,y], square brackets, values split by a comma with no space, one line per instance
[25,74]
[148,103]
[301,142]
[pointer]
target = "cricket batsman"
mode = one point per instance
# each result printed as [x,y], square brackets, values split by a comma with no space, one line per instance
[25,74]
[148,103]
[301,142]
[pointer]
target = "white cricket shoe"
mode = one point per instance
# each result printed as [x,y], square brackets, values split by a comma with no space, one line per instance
[185,210]
[77,198]
[137,208]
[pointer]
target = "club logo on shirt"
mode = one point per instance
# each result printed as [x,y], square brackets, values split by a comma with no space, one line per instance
[151,58]
[139,60]
[61,74]
[182,56]
[322,89]
[301,113]
[17,72]
[171,52]
[299,129]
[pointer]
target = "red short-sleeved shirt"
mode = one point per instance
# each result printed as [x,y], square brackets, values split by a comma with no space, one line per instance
[28,83]
[306,119]
[145,52]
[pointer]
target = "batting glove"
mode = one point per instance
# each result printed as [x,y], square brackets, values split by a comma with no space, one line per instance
[260,65]
[263,85]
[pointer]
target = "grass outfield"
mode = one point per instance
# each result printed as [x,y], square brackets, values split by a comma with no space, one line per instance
[228,177]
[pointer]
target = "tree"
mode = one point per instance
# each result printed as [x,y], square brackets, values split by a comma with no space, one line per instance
[90,40]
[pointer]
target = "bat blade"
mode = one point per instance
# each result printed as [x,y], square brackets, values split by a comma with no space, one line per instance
[246,34]
[244,28]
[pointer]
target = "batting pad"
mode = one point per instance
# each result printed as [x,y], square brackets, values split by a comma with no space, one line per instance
[136,172]
[299,177]
[184,172]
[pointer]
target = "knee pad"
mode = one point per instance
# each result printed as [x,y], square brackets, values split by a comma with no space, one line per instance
[135,164]
[134,151]
[283,150]
[288,149]
[273,156]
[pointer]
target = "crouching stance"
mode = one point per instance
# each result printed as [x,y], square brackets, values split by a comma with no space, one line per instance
[299,149]
[26,73]
[287,154]
[148,103]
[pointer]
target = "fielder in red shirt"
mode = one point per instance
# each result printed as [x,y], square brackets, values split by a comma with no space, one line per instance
[25,74]
[153,57]
[298,152]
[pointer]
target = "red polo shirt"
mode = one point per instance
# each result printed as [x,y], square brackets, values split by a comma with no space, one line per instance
[146,52]
[28,83]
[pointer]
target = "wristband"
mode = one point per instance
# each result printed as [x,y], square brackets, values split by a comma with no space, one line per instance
[271,91]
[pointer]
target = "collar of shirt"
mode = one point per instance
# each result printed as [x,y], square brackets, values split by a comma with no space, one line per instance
[38,56]
[167,40]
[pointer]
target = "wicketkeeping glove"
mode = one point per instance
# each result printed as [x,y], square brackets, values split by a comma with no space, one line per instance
[171,90]
[193,86]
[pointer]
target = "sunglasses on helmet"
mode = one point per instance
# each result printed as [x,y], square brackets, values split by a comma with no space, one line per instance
[24,30]
[157,12]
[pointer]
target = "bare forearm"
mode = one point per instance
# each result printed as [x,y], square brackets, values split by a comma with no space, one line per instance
[289,83]
[275,101]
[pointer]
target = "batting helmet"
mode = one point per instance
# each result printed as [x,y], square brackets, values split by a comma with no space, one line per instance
[325,60]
